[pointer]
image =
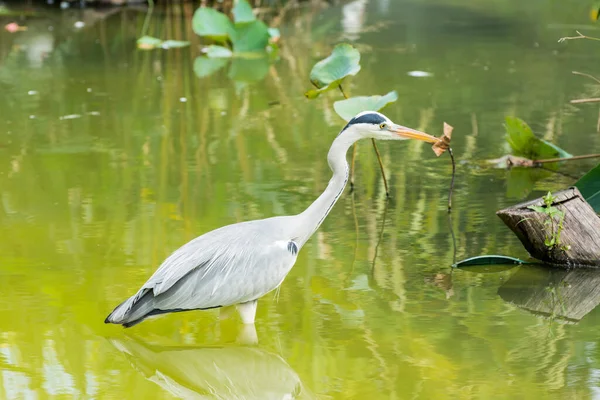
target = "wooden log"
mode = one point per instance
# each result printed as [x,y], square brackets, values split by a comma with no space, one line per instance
[580,237]
[554,293]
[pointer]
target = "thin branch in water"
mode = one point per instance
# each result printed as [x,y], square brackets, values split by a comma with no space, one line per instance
[580,36]
[586,75]
[452,180]
[574,158]
[591,100]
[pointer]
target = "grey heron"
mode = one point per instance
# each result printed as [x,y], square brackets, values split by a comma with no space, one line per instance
[239,263]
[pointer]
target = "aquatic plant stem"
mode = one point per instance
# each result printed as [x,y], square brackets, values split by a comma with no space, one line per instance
[147,19]
[385,184]
[452,180]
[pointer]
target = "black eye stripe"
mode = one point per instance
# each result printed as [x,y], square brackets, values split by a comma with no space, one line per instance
[369,118]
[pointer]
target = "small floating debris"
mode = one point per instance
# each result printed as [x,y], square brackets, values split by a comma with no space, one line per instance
[14,27]
[70,116]
[79,24]
[183,99]
[32,92]
[419,74]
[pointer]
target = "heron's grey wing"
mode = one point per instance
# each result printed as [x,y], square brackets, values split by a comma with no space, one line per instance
[235,274]
[225,265]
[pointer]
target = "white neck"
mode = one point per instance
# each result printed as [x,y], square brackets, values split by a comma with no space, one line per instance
[310,220]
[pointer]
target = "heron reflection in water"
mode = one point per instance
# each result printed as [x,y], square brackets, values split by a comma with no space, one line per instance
[239,263]
[215,372]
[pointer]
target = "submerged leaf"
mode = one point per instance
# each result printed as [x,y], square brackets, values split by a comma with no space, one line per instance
[242,12]
[524,143]
[589,186]
[329,73]
[488,260]
[211,23]
[348,108]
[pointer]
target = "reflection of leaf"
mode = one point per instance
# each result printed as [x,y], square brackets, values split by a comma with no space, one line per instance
[329,73]
[149,42]
[204,66]
[213,51]
[525,144]
[174,44]
[249,69]
[211,23]
[242,12]
[251,37]
[348,108]
[589,186]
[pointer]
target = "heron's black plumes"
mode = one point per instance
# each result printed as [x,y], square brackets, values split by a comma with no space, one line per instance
[373,118]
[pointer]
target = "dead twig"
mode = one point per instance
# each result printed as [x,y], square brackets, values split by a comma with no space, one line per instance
[591,100]
[586,75]
[580,36]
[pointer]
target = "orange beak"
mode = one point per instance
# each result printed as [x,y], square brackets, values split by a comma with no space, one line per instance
[408,133]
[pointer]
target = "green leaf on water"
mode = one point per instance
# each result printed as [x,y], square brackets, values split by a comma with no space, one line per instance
[205,66]
[589,186]
[214,51]
[329,73]
[211,23]
[250,37]
[488,260]
[348,108]
[525,144]
[242,12]
[148,42]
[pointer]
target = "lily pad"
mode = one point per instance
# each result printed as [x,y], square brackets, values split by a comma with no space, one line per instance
[242,12]
[211,23]
[589,186]
[488,260]
[148,42]
[525,144]
[250,37]
[348,108]
[329,73]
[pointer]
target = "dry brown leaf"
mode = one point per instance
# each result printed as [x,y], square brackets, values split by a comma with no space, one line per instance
[444,141]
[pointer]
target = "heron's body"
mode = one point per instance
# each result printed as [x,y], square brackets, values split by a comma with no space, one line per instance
[239,263]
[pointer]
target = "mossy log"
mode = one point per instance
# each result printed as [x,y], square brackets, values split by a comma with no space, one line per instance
[580,236]
[554,293]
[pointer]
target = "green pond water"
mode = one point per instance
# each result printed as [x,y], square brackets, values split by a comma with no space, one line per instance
[112,157]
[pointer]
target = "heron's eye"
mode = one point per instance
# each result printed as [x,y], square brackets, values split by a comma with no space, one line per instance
[383,125]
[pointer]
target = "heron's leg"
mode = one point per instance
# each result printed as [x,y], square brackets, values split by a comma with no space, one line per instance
[247,311]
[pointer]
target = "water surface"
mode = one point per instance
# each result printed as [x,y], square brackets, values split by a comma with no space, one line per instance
[111,158]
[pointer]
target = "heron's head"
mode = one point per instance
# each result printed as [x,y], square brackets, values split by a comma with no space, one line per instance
[371,124]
